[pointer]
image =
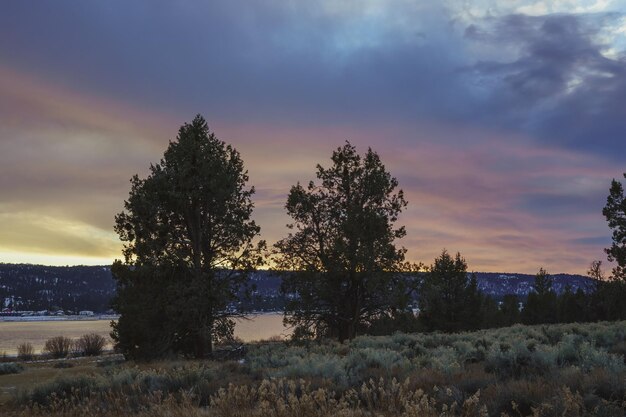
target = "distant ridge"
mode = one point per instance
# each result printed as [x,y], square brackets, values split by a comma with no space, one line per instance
[76,288]
[41,287]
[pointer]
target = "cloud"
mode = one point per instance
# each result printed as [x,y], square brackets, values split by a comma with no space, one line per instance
[65,161]
[560,86]
[51,236]
[503,123]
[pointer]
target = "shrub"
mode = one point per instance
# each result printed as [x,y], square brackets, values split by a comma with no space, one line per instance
[518,397]
[25,351]
[509,361]
[91,344]
[10,368]
[58,347]
[445,360]
[596,358]
[63,388]
[315,366]
[364,364]
[63,365]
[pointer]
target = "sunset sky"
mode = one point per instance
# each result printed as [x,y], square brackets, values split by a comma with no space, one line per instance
[504,120]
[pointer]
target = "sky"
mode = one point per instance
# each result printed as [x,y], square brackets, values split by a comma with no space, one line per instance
[503,120]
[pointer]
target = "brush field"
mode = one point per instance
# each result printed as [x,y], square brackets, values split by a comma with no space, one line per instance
[547,370]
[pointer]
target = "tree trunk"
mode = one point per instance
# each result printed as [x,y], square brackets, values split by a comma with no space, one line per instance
[203,344]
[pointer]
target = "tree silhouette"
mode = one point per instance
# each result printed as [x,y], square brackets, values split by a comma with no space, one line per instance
[541,306]
[341,251]
[187,236]
[448,299]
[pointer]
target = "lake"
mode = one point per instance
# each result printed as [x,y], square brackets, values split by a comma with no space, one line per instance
[13,333]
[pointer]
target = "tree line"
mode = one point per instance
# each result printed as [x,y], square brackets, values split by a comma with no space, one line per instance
[189,244]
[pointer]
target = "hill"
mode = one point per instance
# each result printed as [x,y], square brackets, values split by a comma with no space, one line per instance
[70,288]
[75,288]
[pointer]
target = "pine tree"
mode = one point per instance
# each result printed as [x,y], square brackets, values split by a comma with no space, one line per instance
[448,299]
[541,306]
[615,213]
[340,256]
[509,310]
[187,236]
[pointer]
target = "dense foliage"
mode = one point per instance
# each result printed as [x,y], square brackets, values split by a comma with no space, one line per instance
[342,246]
[448,300]
[615,213]
[58,346]
[187,234]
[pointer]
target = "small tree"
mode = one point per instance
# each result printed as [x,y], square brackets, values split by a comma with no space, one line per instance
[91,344]
[448,298]
[341,259]
[610,293]
[541,306]
[615,213]
[25,351]
[509,310]
[595,271]
[58,347]
[573,306]
[187,234]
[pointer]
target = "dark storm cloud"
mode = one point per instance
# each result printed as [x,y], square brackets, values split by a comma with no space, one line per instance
[303,64]
[561,86]
[267,61]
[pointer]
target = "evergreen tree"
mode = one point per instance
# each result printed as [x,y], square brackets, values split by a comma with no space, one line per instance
[615,213]
[187,236]
[569,310]
[541,306]
[608,300]
[340,256]
[509,310]
[490,313]
[445,295]
[474,306]
[611,293]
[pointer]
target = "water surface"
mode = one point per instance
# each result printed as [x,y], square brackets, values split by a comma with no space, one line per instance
[13,333]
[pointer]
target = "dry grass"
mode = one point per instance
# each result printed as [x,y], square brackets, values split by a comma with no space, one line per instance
[41,372]
[284,398]
[562,370]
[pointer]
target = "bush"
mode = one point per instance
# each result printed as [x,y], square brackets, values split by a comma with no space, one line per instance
[367,363]
[25,351]
[514,361]
[91,344]
[58,347]
[596,358]
[328,367]
[63,365]
[10,368]
[63,388]
[445,360]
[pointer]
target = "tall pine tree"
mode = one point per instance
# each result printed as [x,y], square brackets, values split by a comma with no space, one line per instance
[188,242]
[340,258]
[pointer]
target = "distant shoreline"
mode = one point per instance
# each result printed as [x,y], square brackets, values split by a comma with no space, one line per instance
[96,317]
[59,318]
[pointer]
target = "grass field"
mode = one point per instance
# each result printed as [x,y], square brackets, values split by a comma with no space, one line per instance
[555,370]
